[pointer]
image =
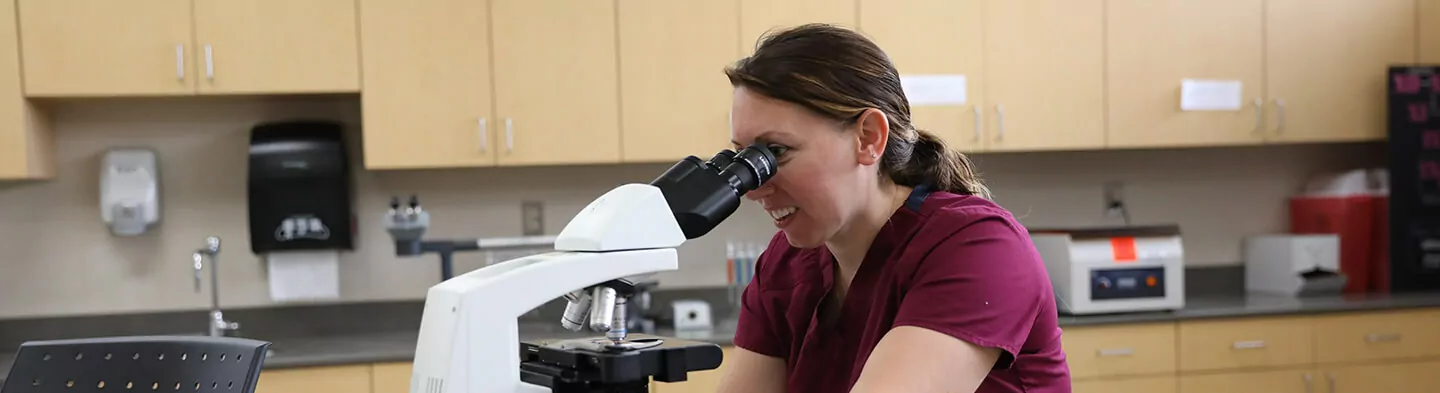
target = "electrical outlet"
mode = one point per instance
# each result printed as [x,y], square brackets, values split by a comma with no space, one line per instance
[532,220]
[1114,199]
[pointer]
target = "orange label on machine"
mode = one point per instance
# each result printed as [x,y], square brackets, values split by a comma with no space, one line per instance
[1124,249]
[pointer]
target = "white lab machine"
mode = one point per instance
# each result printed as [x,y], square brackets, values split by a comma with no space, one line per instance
[469,335]
[1114,270]
[129,191]
[1293,264]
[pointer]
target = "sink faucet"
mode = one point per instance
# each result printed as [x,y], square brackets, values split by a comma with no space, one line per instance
[218,325]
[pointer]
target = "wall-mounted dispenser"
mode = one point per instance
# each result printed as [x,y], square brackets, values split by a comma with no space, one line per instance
[129,191]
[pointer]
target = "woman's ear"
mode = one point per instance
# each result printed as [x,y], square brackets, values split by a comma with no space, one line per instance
[872,133]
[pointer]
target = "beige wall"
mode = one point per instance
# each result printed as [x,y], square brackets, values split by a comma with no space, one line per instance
[55,251]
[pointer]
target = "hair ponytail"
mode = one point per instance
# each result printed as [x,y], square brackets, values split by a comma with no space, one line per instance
[930,160]
[839,73]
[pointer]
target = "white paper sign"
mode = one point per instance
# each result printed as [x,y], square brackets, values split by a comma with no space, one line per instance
[1210,95]
[935,89]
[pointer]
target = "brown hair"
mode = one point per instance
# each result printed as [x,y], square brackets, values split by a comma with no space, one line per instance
[839,73]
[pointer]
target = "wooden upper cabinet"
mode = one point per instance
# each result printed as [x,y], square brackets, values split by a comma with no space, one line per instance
[1153,46]
[27,148]
[675,100]
[1044,73]
[760,16]
[1429,31]
[277,46]
[427,100]
[556,88]
[911,32]
[107,48]
[1326,63]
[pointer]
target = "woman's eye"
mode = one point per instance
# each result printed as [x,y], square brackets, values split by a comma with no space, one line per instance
[777,150]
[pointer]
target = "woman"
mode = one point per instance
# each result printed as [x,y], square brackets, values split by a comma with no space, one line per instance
[892,271]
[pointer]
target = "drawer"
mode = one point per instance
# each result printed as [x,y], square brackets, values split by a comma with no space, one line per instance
[1377,336]
[1245,343]
[1107,351]
[1267,381]
[1166,384]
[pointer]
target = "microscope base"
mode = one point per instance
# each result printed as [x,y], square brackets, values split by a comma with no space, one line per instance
[578,366]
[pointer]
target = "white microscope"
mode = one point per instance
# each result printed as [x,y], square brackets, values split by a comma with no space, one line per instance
[469,334]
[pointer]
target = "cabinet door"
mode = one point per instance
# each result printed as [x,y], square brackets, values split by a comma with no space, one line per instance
[277,46]
[1326,63]
[1281,381]
[27,150]
[391,377]
[107,48]
[427,101]
[1045,74]
[912,33]
[556,89]
[1429,31]
[1153,45]
[314,379]
[760,16]
[1413,377]
[675,105]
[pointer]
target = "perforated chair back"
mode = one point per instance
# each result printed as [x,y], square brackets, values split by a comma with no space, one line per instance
[137,364]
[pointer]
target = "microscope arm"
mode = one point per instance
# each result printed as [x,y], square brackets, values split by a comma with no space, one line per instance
[469,332]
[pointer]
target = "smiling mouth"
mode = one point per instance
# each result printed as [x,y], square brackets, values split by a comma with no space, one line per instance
[781,214]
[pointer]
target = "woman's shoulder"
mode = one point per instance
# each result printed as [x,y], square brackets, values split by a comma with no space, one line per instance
[948,213]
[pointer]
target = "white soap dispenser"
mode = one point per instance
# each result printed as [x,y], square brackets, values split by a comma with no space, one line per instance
[129,191]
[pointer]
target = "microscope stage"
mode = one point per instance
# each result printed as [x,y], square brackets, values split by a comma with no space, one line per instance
[592,364]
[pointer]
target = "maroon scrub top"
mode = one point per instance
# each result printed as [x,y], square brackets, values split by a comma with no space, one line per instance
[956,264]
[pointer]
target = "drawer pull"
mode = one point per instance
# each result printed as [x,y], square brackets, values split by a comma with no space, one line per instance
[1382,337]
[1117,352]
[1249,344]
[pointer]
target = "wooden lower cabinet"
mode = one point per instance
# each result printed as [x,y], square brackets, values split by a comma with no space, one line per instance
[334,379]
[391,377]
[1164,384]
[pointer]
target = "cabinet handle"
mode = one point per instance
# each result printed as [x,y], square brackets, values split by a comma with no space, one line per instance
[1279,116]
[999,122]
[978,114]
[1259,116]
[484,140]
[1309,384]
[1117,352]
[1382,337]
[1249,344]
[180,62]
[209,63]
[509,135]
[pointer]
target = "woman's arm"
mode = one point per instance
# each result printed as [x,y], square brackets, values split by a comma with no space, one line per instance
[913,359]
[750,372]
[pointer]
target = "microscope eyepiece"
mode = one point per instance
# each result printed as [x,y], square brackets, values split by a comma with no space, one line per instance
[750,168]
[704,193]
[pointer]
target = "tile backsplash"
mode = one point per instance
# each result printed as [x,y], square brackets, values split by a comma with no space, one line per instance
[57,258]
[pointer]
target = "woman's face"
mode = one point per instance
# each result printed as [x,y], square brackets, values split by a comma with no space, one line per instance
[817,185]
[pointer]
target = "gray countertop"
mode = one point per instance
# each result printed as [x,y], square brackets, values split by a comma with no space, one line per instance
[400,346]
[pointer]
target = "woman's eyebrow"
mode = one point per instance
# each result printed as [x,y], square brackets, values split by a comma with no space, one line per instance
[768,136]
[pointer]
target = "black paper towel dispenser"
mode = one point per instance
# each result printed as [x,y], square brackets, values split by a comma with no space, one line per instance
[300,190]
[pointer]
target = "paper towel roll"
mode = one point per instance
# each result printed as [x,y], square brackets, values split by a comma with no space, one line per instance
[304,275]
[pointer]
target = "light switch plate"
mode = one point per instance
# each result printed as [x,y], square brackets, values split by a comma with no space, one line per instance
[532,218]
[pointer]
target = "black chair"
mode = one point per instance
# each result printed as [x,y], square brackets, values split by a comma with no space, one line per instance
[137,364]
